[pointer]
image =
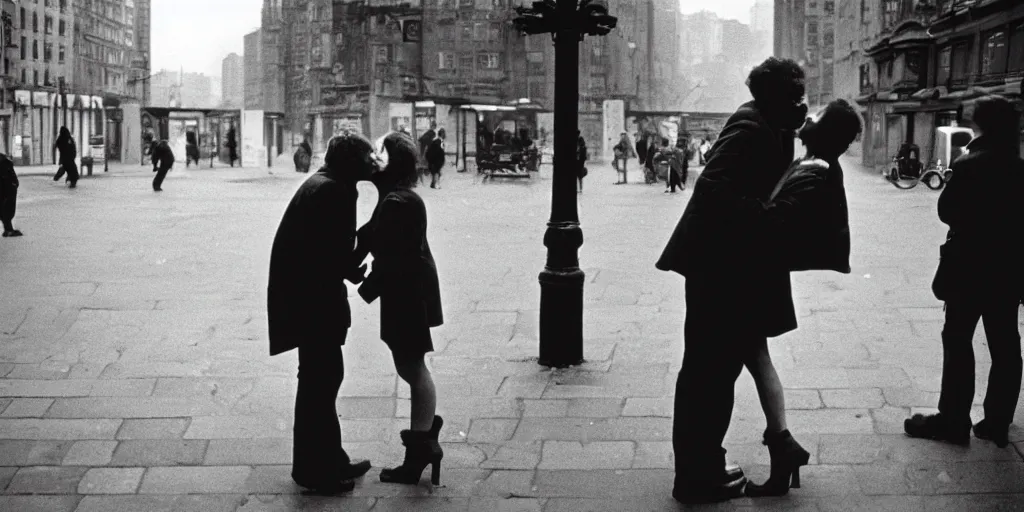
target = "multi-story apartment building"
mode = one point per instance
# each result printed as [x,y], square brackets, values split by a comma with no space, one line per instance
[271,57]
[252,70]
[930,62]
[805,31]
[8,80]
[232,81]
[140,59]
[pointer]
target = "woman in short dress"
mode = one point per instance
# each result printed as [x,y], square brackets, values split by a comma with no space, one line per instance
[404,276]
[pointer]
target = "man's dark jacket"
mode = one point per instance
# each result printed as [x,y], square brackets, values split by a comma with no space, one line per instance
[162,156]
[983,204]
[717,237]
[307,300]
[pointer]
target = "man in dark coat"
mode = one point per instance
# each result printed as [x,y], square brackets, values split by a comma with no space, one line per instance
[163,160]
[191,149]
[435,156]
[731,302]
[232,145]
[8,195]
[65,144]
[307,306]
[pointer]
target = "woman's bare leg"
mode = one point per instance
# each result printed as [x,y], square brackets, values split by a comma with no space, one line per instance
[769,388]
[424,396]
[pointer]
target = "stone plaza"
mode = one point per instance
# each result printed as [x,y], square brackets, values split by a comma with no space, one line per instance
[134,367]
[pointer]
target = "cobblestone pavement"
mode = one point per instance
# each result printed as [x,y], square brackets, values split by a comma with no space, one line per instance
[135,374]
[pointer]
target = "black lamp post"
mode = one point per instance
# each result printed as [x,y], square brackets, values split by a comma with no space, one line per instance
[561,281]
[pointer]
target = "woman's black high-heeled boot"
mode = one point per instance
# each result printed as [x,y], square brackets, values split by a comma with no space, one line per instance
[421,450]
[787,457]
[435,428]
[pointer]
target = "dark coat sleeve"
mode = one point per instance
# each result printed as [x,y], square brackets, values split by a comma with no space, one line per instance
[730,162]
[396,248]
[334,232]
[955,194]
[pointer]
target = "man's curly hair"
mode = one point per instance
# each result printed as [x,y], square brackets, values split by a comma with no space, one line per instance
[402,153]
[776,79]
[997,118]
[346,147]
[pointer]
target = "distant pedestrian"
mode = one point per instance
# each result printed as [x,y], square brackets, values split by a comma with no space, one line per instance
[191,148]
[674,159]
[435,156]
[623,151]
[980,277]
[730,276]
[232,145]
[685,155]
[163,161]
[65,144]
[581,159]
[8,195]
[303,156]
[405,279]
[308,308]
[427,137]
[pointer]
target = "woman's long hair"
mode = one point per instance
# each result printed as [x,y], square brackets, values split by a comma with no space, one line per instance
[401,167]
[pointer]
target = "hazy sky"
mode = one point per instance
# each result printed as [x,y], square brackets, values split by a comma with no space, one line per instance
[197,34]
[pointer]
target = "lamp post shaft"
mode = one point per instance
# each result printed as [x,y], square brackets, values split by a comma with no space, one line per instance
[561,281]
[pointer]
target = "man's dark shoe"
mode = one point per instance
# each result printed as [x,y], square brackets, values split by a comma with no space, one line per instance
[355,470]
[989,431]
[332,487]
[710,493]
[938,428]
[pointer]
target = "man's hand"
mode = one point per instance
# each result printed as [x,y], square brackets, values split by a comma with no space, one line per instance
[357,275]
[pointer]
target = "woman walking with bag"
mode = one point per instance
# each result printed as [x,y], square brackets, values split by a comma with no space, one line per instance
[980,277]
[404,276]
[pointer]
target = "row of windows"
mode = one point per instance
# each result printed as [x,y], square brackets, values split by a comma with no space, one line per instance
[47,23]
[451,61]
[47,51]
[469,31]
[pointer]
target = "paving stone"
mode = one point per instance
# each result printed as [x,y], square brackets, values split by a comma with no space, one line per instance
[274,479]
[14,387]
[153,428]
[238,427]
[889,420]
[595,407]
[159,452]
[111,481]
[46,480]
[310,503]
[645,406]
[861,398]
[132,407]
[363,408]
[39,503]
[45,372]
[510,504]
[123,387]
[157,503]
[491,430]
[545,408]
[241,452]
[32,453]
[593,429]
[27,408]
[6,474]
[4,402]
[654,503]
[873,504]
[801,399]
[90,453]
[591,455]
[979,502]
[195,480]
[966,477]
[604,483]
[910,397]
[512,455]
[457,455]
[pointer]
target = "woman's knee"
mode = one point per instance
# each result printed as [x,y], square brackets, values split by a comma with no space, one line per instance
[410,369]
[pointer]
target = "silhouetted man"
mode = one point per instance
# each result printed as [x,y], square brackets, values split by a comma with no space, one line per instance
[163,160]
[65,144]
[733,299]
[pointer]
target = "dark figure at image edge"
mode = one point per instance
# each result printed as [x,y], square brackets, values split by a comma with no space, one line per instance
[191,149]
[581,159]
[980,277]
[715,247]
[308,309]
[435,158]
[405,279]
[232,145]
[8,195]
[163,161]
[65,145]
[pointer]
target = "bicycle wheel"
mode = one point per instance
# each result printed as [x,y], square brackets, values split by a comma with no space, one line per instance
[894,177]
[933,180]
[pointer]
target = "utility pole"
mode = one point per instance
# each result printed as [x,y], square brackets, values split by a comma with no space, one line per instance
[561,281]
[63,100]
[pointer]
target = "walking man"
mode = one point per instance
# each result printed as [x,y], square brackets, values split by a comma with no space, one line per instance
[435,158]
[8,195]
[163,160]
[65,144]
[733,300]
[232,145]
[308,309]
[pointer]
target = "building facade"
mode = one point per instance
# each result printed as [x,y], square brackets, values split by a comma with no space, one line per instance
[805,31]
[232,82]
[252,70]
[930,63]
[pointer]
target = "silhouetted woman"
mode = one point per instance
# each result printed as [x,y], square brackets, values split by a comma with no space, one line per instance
[404,276]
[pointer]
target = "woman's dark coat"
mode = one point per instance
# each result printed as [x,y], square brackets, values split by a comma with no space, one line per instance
[307,300]
[404,274]
[807,221]
[983,205]
[717,237]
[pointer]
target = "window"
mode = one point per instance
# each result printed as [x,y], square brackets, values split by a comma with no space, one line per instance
[63,5]
[61,28]
[538,90]
[994,53]
[48,25]
[829,38]
[488,60]
[597,56]
[961,61]
[35,49]
[467,4]
[46,77]
[889,66]
[35,77]
[479,32]
[466,62]
[24,76]
[446,61]
[830,7]
[48,52]
[1016,53]
[494,32]
[812,33]
[381,54]
[24,49]
[446,32]
[60,56]
[865,76]
[466,31]
[945,66]
[23,19]
[35,22]
[535,63]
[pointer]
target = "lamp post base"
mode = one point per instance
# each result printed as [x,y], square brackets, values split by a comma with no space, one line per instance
[561,297]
